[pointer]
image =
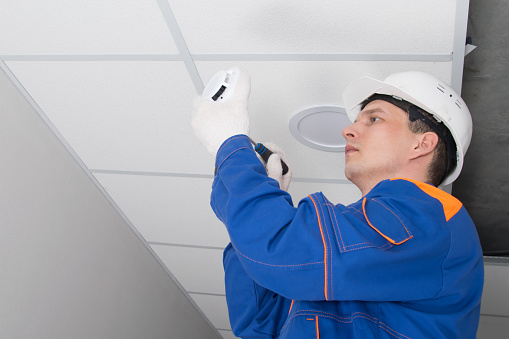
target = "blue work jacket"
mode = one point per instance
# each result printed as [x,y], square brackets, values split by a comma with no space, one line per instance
[402,262]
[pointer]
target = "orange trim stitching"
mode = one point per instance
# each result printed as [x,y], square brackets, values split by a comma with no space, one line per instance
[324,246]
[394,214]
[353,315]
[330,255]
[390,330]
[342,245]
[345,248]
[259,262]
[345,320]
[356,210]
[383,235]
[335,223]
[361,243]
[383,248]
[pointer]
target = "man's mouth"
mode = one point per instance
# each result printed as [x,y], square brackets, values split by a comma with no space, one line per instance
[350,149]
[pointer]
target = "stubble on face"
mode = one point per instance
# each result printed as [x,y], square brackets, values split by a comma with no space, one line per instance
[376,144]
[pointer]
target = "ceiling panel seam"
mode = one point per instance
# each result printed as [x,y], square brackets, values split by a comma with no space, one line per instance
[494,315]
[202,247]
[496,261]
[324,57]
[153,174]
[236,57]
[460,36]
[172,24]
[209,176]
[102,57]
[112,203]
[205,293]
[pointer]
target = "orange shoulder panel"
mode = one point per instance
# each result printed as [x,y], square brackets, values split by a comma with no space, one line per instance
[450,204]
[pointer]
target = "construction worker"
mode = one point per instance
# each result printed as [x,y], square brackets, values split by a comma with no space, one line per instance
[402,262]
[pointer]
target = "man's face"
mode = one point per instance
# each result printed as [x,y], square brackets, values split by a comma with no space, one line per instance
[378,143]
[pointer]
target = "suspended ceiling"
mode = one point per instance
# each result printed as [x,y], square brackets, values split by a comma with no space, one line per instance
[116,79]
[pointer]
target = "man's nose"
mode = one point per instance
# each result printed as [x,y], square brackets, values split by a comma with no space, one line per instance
[349,131]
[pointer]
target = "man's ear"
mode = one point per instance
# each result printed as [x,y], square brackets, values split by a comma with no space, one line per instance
[426,143]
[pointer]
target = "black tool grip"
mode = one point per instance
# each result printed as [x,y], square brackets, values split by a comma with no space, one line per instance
[265,153]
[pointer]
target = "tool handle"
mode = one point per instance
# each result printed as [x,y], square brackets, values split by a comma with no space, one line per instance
[265,153]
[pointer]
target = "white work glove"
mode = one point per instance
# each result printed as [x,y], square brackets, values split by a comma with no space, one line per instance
[274,167]
[213,122]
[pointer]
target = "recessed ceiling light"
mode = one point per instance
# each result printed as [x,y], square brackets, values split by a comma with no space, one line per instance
[320,127]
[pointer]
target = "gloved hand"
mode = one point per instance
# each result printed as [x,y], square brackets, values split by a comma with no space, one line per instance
[274,167]
[213,122]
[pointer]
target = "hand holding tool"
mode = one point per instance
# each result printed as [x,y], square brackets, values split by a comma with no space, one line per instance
[225,98]
[265,154]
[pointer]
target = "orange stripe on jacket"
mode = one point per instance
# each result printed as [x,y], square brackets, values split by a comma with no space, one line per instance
[324,246]
[317,329]
[291,305]
[450,204]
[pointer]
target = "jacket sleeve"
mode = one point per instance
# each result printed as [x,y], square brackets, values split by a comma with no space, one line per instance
[254,311]
[318,251]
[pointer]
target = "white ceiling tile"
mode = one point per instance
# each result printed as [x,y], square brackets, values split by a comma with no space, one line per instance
[131,115]
[215,308]
[348,26]
[166,209]
[83,27]
[136,115]
[281,89]
[196,269]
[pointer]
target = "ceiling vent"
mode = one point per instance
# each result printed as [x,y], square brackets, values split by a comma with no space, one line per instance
[320,127]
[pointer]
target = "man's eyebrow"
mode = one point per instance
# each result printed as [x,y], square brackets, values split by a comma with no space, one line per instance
[370,111]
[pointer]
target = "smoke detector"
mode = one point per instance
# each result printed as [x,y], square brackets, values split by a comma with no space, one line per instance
[320,127]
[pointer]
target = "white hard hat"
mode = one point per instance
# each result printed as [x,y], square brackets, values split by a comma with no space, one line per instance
[425,91]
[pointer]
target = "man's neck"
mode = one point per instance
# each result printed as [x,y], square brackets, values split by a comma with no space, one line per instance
[367,185]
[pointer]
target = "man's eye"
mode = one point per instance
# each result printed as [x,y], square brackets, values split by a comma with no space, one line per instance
[374,119]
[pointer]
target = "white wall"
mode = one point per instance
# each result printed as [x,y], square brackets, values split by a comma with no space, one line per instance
[70,265]
[494,323]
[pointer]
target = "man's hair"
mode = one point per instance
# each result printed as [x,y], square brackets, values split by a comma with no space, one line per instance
[438,166]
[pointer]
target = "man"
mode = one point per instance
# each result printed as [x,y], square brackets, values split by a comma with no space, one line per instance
[402,262]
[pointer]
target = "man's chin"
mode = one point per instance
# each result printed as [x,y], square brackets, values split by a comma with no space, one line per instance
[351,173]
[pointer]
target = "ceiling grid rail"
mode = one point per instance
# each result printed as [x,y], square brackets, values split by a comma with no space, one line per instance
[91,57]
[237,57]
[172,24]
[324,57]
[460,36]
[208,176]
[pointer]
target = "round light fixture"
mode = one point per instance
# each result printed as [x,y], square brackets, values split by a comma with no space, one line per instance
[320,127]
